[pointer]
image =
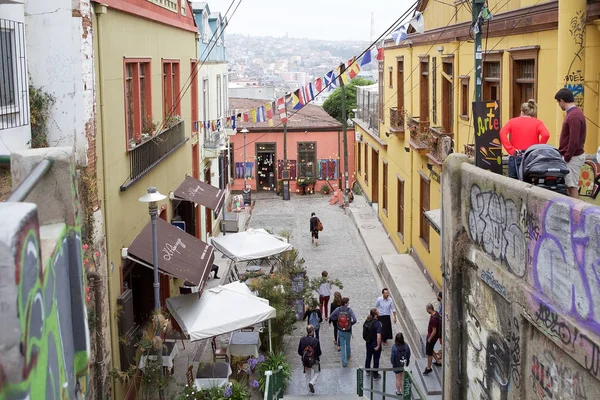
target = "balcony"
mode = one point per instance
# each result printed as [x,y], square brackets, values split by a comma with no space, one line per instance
[440,145]
[397,121]
[419,135]
[150,153]
[214,143]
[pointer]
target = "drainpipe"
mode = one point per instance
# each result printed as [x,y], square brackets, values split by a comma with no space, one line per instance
[99,378]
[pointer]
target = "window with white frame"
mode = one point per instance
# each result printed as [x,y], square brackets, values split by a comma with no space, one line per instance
[219,97]
[13,75]
[7,68]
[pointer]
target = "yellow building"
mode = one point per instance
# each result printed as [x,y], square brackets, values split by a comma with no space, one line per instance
[145,53]
[426,85]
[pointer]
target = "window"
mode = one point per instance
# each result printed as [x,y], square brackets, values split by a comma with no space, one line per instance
[225,96]
[390,75]
[358,156]
[400,194]
[381,96]
[448,94]
[434,90]
[231,157]
[424,205]
[205,106]
[7,66]
[171,103]
[366,164]
[194,94]
[328,169]
[492,76]
[138,101]
[307,157]
[385,187]
[400,84]
[524,77]
[219,98]
[464,97]
[424,89]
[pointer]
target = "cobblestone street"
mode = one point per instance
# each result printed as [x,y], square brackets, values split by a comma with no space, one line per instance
[343,254]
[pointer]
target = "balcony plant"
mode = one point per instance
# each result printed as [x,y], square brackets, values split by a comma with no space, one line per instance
[148,127]
[172,120]
[325,189]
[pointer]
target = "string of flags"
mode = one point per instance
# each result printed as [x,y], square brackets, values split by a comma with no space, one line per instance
[335,78]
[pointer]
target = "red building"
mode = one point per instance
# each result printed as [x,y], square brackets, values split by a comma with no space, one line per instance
[315,149]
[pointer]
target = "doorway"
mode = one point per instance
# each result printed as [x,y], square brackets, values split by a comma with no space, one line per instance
[208,211]
[265,166]
[375,177]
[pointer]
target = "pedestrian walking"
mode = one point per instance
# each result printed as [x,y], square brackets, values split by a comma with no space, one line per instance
[309,349]
[324,293]
[433,334]
[345,319]
[372,338]
[315,227]
[385,306]
[400,358]
[314,316]
[521,132]
[572,139]
[337,301]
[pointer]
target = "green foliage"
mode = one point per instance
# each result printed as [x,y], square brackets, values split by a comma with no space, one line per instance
[272,363]
[39,110]
[235,391]
[316,282]
[333,104]
[325,189]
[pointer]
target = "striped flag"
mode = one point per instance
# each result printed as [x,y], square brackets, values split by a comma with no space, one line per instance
[269,112]
[282,111]
[330,80]
[319,85]
[300,95]
[260,114]
[308,92]
[369,56]
[380,51]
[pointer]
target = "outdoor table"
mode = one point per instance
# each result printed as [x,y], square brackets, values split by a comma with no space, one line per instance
[244,344]
[210,375]
[170,351]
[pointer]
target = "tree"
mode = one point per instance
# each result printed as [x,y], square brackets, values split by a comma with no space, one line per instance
[333,104]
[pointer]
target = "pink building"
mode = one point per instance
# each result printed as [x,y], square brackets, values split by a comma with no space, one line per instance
[315,149]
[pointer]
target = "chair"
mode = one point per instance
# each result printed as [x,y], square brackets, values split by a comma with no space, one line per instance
[190,376]
[218,353]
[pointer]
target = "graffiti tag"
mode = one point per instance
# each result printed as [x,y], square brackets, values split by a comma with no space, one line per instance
[170,249]
[488,277]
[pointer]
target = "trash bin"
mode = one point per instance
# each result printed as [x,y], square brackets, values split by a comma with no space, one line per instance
[247,196]
[286,190]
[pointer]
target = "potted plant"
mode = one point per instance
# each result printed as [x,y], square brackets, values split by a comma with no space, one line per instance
[148,127]
[325,189]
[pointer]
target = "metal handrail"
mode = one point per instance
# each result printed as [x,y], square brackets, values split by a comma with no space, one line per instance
[35,176]
[406,390]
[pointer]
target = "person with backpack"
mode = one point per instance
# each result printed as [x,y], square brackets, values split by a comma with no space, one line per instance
[434,332]
[309,349]
[345,319]
[372,338]
[315,227]
[337,301]
[400,358]
[313,314]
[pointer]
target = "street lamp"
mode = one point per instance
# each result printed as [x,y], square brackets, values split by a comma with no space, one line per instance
[244,131]
[152,197]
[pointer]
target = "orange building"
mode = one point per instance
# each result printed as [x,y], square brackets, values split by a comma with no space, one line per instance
[314,144]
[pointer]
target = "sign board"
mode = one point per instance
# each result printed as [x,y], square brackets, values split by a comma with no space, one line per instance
[247,196]
[179,224]
[488,148]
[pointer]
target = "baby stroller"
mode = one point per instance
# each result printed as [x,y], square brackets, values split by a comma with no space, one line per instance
[543,166]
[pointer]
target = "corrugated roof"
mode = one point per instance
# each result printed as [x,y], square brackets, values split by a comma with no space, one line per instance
[310,117]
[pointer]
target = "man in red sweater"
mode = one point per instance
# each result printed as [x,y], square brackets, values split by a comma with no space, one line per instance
[572,139]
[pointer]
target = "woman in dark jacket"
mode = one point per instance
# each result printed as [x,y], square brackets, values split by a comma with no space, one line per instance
[400,358]
[337,301]
[314,231]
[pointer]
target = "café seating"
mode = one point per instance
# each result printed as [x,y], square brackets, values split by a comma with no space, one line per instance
[218,353]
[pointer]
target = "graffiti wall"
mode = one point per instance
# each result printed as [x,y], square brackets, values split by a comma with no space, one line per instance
[523,272]
[589,182]
[45,350]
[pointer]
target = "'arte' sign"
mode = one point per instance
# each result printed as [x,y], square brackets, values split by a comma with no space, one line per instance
[488,148]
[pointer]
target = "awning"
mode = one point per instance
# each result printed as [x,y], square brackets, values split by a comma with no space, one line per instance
[179,253]
[201,193]
[434,217]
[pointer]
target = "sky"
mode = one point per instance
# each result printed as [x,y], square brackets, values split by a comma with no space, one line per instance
[312,19]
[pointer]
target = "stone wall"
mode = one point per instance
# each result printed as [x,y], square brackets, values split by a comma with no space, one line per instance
[44,339]
[522,289]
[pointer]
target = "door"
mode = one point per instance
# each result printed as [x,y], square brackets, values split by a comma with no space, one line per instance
[266,166]
[375,177]
[208,211]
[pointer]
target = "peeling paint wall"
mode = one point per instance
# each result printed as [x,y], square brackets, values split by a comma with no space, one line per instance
[522,283]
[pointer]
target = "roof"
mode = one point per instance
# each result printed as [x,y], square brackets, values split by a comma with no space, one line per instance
[310,117]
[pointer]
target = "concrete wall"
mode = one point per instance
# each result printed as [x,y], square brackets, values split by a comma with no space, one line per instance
[522,289]
[61,62]
[45,343]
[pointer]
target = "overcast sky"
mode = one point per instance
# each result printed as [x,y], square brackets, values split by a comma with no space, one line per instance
[313,19]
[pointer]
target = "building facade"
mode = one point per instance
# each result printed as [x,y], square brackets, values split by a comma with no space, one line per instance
[426,88]
[314,149]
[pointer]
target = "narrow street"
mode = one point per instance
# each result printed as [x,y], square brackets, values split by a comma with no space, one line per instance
[343,254]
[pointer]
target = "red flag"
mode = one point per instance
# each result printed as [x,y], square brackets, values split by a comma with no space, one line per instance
[246,117]
[380,52]
[281,108]
[319,85]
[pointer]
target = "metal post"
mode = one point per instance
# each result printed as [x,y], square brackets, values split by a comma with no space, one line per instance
[22,191]
[477,7]
[270,342]
[285,138]
[223,185]
[244,130]
[344,117]
[153,209]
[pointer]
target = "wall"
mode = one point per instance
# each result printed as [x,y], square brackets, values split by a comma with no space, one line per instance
[45,353]
[522,310]
[61,62]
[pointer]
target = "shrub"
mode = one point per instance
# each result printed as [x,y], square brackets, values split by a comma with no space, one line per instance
[272,363]
[325,189]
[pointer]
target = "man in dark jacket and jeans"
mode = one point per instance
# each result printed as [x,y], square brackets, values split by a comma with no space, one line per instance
[373,345]
[309,349]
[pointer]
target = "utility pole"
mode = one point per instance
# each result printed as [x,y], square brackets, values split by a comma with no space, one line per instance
[344,117]
[285,136]
[477,7]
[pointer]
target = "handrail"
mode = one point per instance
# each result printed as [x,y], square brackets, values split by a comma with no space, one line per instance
[22,191]
[406,390]
[274,384]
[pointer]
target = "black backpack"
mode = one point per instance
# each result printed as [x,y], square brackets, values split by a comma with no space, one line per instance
[368,330]
[401,356]
[308,355]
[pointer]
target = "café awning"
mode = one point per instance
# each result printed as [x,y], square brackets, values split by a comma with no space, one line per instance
[179,254]
[201,193]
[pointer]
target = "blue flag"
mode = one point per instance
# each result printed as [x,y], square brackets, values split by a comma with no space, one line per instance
[330,80]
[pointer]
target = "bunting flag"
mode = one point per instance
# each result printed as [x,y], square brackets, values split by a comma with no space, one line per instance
[227,122]
[319,85]
[233,122]
[269,112]
[353,70]
[417,22]
[245,117]
[330,80]
[296,104]
[342,74]
[309,94]
[253,115]
[281,109]
[380,51]
[212,126]
[299,93]
[399,35]
[219,124]
[369,56]
[260,114]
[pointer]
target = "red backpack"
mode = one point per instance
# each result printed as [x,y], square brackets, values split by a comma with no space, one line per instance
[343,321]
